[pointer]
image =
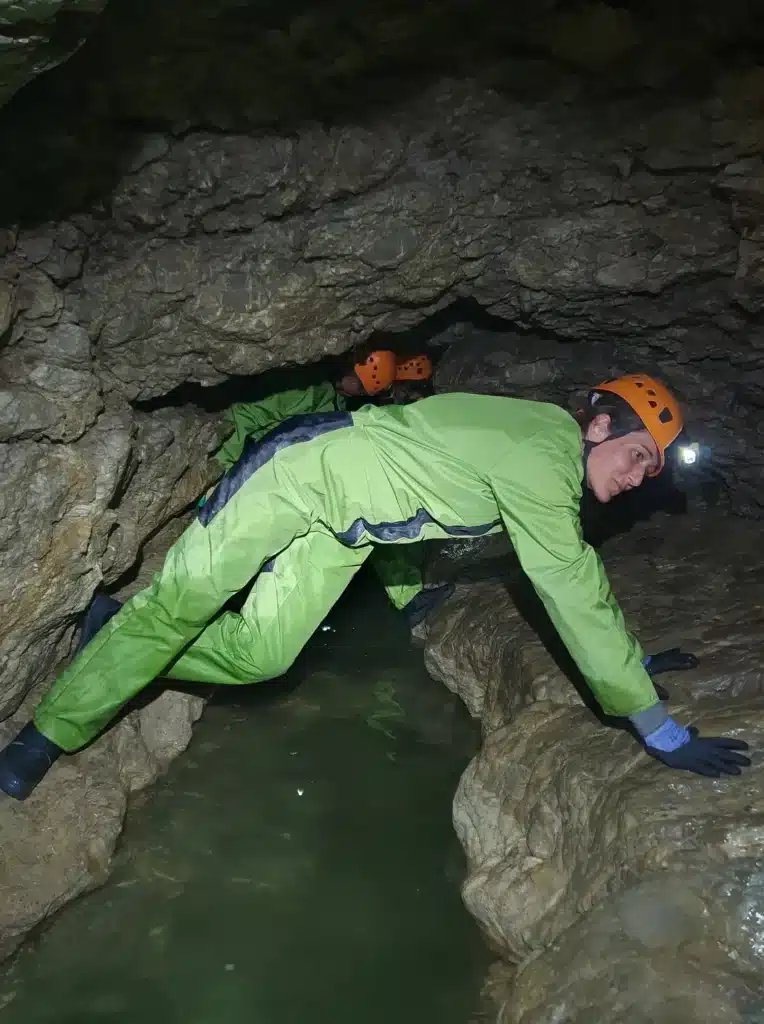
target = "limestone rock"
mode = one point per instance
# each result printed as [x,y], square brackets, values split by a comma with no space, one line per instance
[475,640]
[169,467]
[48,389]
[58,844]
[673,948]
[493,644]
[54,517]
[593,867]
[247,253]
[62,534]
[557,814]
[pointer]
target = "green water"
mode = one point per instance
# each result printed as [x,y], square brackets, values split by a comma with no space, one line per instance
[298,864]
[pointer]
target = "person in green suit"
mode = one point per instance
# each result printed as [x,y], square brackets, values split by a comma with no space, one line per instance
[301,511]
[375,374]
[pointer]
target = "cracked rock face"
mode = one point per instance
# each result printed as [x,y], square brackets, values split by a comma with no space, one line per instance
[591,866]
[267,250]
[62,535]
[87,480]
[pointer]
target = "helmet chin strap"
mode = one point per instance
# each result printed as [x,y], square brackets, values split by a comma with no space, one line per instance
[589,446]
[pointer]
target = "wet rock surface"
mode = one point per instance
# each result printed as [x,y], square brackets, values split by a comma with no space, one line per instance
[621,888]
[673,948]
[35,35]
[59,843]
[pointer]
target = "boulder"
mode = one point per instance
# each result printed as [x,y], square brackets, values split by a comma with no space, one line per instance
[594,871]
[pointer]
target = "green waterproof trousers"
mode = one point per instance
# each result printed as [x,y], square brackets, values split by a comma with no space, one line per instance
[300,512]
[399,571]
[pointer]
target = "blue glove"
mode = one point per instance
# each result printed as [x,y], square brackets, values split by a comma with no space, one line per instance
[682,748]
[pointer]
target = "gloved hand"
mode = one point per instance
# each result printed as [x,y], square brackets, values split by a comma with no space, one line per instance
[682,748]
[672,660]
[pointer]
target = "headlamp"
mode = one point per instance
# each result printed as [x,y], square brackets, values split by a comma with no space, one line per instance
[688,454]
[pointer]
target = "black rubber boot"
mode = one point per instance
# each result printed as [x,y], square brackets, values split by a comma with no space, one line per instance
[424,602]
[25,762]
[102,608]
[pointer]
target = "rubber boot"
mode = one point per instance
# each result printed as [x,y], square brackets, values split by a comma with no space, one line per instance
[102,608]
[424,602]
[25,762]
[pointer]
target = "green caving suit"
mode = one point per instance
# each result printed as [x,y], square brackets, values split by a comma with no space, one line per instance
[304,509]
[398,569]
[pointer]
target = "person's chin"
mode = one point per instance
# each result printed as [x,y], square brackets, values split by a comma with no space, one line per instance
[603,495]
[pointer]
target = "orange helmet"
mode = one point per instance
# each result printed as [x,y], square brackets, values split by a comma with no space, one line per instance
[377,372]
[655,406]
[418,368]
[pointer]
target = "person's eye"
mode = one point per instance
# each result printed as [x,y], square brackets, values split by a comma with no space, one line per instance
[639,455]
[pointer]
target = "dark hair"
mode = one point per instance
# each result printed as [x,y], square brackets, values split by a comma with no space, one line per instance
[410,390]
[623,419]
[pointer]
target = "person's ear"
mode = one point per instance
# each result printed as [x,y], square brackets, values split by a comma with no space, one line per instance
[599,428]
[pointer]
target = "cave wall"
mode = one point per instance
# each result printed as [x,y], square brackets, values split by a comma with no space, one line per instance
[254,186]
[599,225]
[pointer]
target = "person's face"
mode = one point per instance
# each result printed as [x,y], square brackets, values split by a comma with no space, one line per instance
[350,385]
[620,463]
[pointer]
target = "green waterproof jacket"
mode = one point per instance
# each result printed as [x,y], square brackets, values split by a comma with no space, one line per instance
[254,419]
[500,462]
[485,455]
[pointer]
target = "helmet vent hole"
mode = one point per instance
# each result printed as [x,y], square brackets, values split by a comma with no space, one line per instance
[665,416]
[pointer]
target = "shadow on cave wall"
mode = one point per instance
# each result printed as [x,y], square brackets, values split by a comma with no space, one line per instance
[431,335]
[258,66]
